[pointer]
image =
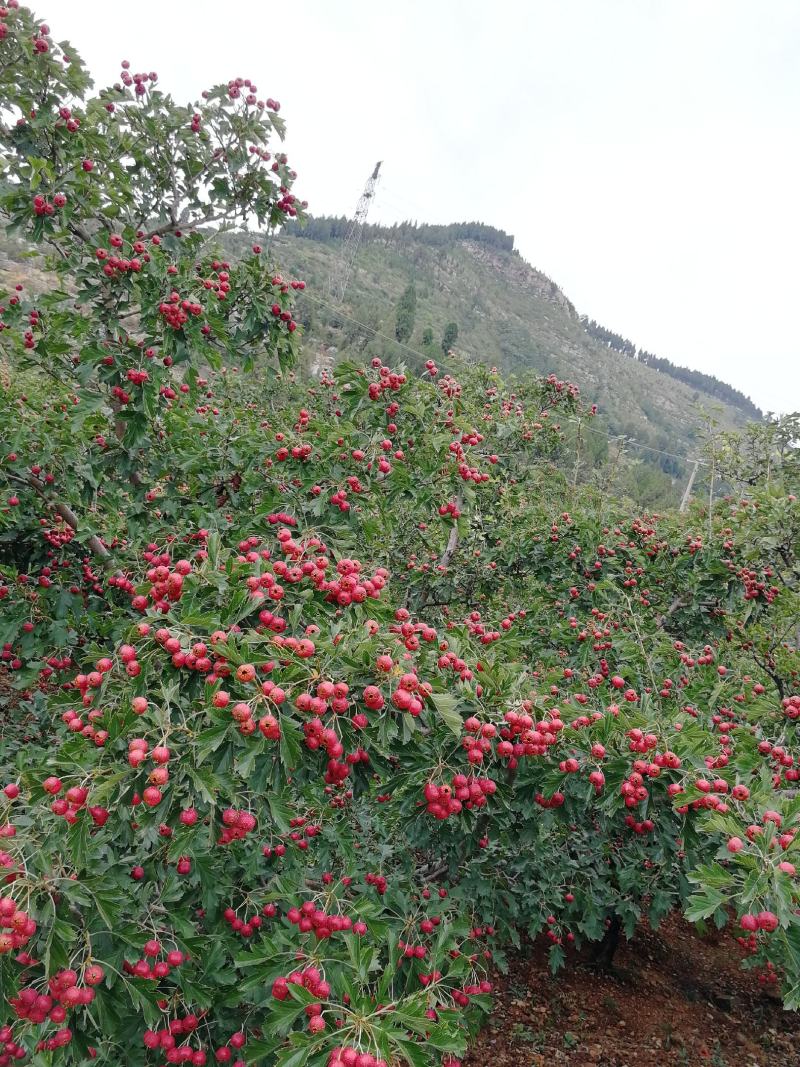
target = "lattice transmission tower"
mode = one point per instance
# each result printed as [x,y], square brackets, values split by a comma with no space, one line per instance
[343,267]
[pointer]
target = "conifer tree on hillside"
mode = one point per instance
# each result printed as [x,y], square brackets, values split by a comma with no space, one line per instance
[449,337]
[406,314]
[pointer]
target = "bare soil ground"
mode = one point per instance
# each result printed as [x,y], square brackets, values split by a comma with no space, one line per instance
[675,999]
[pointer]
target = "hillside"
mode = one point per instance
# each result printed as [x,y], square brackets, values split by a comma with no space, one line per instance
[508,314]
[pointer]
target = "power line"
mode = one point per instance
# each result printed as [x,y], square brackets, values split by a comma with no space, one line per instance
[638,444]
[420,355]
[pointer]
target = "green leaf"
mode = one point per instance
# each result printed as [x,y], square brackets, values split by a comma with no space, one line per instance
[704,903]
[280,811]
[290,747]
[713,875]
[557,958]
[293,1057]
[445,704]
[210,740]
[258,1050]
[78,836]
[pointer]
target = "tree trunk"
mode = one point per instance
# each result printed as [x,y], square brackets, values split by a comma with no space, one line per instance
[603,957]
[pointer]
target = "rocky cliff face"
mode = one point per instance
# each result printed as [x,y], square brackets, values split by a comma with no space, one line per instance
[521,274]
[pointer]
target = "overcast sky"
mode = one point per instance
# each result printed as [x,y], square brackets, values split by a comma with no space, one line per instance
[644,153]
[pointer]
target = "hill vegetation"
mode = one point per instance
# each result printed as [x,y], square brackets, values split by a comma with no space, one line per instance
[418,292]
[707,383]
[511,316]
[329,229]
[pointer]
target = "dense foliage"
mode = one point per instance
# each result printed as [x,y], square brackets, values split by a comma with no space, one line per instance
[318,694]
[510,316]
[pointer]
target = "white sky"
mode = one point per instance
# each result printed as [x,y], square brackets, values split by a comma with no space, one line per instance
[644,153]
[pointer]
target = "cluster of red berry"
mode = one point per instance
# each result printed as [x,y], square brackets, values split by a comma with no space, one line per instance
[464,792]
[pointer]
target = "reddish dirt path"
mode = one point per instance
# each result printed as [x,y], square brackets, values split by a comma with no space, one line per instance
[678,1000]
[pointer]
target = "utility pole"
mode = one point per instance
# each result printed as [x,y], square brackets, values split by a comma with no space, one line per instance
[688,490]
[343,267]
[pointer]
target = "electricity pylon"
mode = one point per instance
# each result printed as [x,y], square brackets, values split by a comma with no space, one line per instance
[343,268]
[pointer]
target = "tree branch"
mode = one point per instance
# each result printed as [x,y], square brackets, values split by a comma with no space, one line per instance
[65,512]
[679,602]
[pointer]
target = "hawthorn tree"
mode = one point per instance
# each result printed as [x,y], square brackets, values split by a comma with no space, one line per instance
[118,188]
